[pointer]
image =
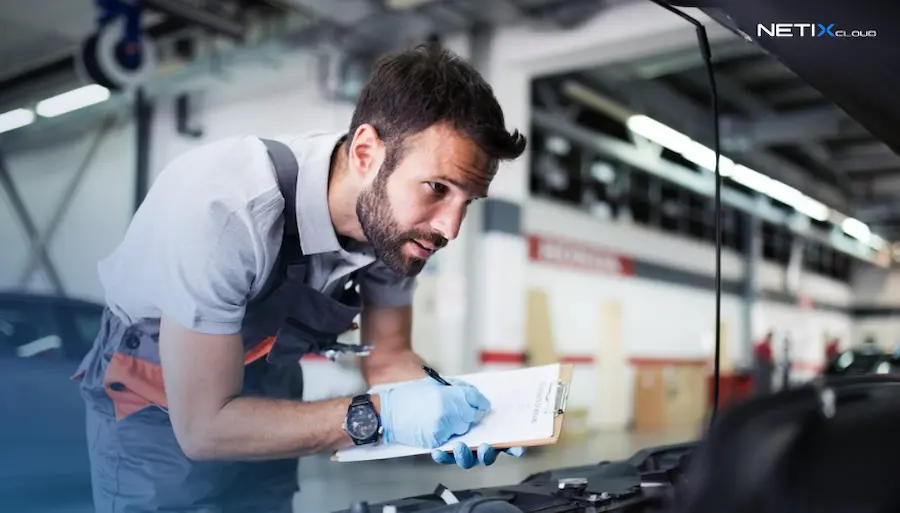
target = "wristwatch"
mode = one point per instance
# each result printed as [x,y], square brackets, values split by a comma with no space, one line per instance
[362,424]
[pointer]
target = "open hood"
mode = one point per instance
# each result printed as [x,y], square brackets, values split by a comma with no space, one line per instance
[861,75]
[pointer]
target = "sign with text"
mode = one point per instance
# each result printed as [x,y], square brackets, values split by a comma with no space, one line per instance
[577,255]
[810,30]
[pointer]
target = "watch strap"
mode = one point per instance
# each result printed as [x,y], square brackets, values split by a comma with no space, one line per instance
[360,400]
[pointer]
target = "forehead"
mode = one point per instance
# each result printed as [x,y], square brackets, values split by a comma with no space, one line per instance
[441,151]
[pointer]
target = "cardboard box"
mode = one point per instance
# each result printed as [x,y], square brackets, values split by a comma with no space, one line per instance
[669,394]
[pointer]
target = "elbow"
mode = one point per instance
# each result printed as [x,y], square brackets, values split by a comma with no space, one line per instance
[195,441]
[196,450]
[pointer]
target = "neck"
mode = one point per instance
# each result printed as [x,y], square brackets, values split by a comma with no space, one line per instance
[342,197]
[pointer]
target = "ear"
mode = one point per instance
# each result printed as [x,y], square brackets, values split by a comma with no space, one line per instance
[366,152]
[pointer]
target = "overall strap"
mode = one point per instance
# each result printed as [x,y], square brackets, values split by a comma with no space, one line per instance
[286,170]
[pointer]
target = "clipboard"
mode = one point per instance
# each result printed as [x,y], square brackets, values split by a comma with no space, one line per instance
[558,388]
[562,398]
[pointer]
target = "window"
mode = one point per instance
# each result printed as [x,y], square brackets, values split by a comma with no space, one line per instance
[555,167]
[639,199]
[777,241]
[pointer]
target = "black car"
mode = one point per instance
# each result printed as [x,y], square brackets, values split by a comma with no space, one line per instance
[44,463]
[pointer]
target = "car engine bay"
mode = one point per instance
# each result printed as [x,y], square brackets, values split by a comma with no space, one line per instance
[829,445]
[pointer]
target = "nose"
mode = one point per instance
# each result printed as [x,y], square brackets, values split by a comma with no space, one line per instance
[448,220]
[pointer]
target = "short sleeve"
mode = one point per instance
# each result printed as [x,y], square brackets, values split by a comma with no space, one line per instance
[202,250]
[205,274]
[380,285]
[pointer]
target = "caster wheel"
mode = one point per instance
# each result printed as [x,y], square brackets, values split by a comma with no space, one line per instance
[107,60]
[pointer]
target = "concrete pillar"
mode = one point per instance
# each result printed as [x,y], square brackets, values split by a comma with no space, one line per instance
[753,323]
[498,253]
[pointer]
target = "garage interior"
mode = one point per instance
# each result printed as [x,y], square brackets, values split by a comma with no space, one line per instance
[617,215]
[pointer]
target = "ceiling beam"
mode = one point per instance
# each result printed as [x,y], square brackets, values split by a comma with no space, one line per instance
[668,64]
[885,211]
[671,108]
[755,108]
[868,164]
[808,125]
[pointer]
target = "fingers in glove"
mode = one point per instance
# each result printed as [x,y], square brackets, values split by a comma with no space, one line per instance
[465,458]
[442,457]
[459,454]
[487,455]
[475,398]
[472,394]
[516,452]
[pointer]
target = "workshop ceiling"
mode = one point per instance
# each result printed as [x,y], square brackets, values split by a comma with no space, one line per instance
[35,32]
[771,120]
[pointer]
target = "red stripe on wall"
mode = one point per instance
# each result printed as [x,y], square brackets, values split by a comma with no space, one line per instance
[567,253]
[577,359]
[489,357]
[502,357]
[807,366]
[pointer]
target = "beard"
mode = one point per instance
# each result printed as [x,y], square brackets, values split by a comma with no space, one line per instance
[384,235]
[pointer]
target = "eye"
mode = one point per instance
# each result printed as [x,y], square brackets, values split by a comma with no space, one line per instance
[439,188]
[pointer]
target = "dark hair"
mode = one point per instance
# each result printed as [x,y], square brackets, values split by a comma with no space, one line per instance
[412,90]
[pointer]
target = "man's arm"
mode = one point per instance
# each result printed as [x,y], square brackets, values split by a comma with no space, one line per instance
[388,329]
[203,377]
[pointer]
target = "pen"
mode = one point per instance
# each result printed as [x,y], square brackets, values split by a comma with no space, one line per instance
[435,376]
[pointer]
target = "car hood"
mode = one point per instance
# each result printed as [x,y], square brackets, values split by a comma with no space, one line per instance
[859,74]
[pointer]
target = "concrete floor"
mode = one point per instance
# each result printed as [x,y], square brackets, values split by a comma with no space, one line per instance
[327,486]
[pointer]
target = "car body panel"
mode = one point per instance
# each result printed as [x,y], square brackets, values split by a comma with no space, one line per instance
[42,434]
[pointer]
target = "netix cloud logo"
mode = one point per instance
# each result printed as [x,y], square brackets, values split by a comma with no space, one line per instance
[809,30]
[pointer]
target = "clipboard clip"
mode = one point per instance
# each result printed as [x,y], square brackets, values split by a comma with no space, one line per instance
[562,398]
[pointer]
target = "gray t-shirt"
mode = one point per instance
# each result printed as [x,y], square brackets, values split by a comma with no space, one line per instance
[205,239]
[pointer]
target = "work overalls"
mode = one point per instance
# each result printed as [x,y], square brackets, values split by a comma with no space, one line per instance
[137,463]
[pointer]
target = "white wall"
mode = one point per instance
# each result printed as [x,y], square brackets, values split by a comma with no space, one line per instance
[874,287]
[252,100]
[93,224]
[666,320]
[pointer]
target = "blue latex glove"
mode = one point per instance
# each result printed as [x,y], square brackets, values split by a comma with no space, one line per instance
[425,413]
[462,456]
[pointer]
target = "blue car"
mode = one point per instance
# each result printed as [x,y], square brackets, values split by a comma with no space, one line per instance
[44,462]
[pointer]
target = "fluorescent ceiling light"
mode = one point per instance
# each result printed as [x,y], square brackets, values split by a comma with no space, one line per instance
[752,179]
[659,133]
[705,157]
[877,243]
[812,208]
[856,229]
[15,119]
[72,100]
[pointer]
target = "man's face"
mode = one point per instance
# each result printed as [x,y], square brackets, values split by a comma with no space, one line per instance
[411,212]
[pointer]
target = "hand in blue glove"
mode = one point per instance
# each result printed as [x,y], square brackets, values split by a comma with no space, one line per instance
[425,413]
[466,459]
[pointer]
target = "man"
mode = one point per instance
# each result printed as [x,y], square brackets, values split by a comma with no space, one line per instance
[249,253]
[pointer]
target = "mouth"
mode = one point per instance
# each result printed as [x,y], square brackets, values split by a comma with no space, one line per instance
[422,249]
[427,245]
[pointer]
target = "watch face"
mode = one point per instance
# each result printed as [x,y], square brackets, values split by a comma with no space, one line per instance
[362,422]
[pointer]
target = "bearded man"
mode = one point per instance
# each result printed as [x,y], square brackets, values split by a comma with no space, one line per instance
[249,253]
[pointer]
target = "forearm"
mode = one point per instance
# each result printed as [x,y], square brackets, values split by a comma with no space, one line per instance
[391,366]
[256,428]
